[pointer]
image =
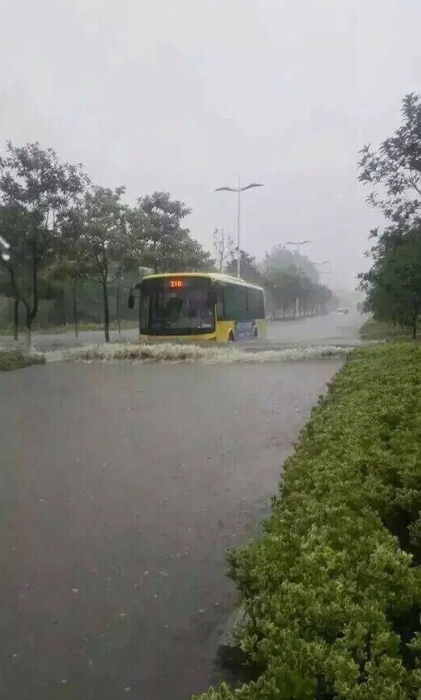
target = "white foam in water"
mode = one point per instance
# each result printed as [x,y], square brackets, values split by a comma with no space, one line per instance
[174,352]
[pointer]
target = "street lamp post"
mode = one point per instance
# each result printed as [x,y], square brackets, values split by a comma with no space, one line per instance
[239,190]
[297,245]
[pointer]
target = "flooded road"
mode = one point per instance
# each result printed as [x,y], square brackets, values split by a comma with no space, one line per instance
[121,487]
[331,329]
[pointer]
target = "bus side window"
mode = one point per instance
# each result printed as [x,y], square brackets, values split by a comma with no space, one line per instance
[255,304]
[235,303]
[220,306]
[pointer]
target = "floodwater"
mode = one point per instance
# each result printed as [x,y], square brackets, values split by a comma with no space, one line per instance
[122,485]
[331,329]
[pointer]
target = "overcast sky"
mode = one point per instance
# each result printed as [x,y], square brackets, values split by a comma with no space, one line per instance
[183,95]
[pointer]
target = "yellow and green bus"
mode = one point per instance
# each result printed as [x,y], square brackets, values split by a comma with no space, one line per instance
[199,306]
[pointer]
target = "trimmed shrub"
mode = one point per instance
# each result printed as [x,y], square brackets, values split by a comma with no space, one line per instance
[14,358]
[332,588]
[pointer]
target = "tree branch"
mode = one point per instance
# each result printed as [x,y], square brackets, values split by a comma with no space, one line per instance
[15,288]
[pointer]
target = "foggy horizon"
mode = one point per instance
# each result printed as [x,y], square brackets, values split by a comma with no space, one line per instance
[182,96]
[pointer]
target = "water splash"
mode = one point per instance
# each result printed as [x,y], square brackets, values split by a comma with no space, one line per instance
[174,352]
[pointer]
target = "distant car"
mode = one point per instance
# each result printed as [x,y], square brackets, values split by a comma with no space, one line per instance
[342,310]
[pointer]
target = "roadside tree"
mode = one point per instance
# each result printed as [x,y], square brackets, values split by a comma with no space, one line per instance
[224,249]
[163,244]
[36,191]
[249,270]
[393,285]
[100,240]
[394,169]
[281,257]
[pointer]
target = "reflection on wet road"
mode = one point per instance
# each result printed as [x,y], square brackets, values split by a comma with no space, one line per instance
[121,487]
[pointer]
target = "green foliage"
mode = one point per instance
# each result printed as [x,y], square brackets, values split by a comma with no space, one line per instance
[63,234]
[248,267]
[36,189]
[165,245]
[382,330]
[100,233]
[393,284]
[331,588]
[282,258]
[285,285]
[395,168]
[288,277]
[100,239]
[16,359]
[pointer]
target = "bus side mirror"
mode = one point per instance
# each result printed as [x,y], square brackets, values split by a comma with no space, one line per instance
[130,301]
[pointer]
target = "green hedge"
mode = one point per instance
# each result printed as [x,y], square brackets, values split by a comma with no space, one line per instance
[382,330]
[14,358]
[332,587]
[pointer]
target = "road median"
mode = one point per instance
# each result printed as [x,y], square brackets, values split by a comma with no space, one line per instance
[15,358]
[332,589]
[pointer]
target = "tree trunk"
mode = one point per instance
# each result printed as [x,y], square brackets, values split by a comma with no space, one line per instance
[28,328]
[414,327]
[16,320]
[106,312]
[118,307]
[75,316]
[62,309]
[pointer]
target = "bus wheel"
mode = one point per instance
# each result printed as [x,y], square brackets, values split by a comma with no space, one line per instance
[231,338]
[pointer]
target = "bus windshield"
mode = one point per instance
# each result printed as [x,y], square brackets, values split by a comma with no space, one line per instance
[171,310]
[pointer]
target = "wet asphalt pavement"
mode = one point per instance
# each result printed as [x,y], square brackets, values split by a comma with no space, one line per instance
[121,487]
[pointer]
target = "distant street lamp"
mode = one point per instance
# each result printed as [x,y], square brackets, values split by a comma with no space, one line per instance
[297,245]
[239,190]
[320,264]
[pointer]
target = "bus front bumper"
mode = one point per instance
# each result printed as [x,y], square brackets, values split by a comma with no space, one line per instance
[202,337]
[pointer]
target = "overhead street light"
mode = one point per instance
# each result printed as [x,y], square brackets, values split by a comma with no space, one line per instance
[239,190]
[320,264]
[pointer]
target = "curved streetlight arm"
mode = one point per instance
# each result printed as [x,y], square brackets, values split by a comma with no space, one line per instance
[238,190]
[250,186]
